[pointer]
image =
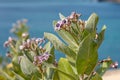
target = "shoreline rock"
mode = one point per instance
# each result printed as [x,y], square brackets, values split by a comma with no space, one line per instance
[112,75]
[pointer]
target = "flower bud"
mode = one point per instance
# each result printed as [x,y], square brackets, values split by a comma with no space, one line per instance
[21,47]
[58,25]
[6,44]
[10,39]
[96,36]
[8,54]
[114,65]
[24,35]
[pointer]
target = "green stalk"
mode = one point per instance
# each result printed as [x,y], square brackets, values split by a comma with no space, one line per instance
[41,71]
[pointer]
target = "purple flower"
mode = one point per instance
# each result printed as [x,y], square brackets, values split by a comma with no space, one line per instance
[66,21]
[40,59]
[58,25]
[62,23]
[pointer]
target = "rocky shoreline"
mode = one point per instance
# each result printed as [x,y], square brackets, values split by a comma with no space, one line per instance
[112,75]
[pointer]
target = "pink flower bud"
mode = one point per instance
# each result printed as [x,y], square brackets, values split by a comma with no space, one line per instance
[10,39]
[6,44]
[24,35]
[21,47]
[114,65]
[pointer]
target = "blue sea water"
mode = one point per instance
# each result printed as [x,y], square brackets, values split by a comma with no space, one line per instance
[40,15]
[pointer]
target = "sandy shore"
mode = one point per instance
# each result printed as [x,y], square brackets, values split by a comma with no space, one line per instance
[112,75]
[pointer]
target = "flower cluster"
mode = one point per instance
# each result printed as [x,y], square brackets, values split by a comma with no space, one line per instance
[66,23]
[25,35]
[8,42]
[114,65]
[18,25]
[31,44]
[41,58]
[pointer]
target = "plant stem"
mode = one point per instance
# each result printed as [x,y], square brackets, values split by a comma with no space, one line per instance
[42,76]
[82,77]
[41,71]
[74,38]
[13,48]
[92,71]
[78,28]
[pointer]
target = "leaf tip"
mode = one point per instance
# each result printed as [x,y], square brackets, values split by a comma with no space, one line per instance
[104,27]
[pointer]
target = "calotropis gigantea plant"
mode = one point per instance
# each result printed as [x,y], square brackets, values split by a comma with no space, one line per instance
[81,43]
[30,58]
[34,58]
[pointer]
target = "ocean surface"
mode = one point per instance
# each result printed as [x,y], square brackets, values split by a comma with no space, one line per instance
[40,15]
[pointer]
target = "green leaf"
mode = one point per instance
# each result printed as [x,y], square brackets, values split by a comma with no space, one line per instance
[35,77]
[59,45]
[15,62]
[49,73]
[65,76]
[68,38]
[18,77]
[56,76]
[92,23]
[96,77]
[52,55]
[101,36]
[62,17]
[65,70]
[5,75]
[87,56]
[2,77]
[26,66]
[47,46]
[1,59]
[28,55]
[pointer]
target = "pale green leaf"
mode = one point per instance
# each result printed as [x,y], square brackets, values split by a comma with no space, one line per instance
[59,45]
[65,70]
[56,76]
[101,36]
[68,38]
[91,23]
[5,75]
[29,56]
[52,55]
[87,56]
[26,66]
[2,77]
[47,46]
[96,77]
[62,17]
[18,77]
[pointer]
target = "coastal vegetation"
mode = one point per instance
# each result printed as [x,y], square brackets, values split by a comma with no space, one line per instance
[35,58]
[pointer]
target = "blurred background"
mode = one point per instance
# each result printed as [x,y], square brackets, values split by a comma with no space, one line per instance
[41,13]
